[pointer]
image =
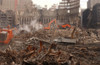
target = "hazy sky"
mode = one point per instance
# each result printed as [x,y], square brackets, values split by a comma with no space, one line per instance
[51,2]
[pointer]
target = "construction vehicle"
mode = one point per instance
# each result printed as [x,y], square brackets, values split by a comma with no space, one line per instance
[69,40]
[64,26]
[49,25]
[57,26]
[6,35]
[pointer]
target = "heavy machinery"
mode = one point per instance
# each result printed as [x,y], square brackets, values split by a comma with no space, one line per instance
[72,32]
[57,26]
[6,35]
[64,26]
[49,25]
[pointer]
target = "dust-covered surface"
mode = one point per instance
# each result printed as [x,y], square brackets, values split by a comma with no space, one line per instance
[38,49]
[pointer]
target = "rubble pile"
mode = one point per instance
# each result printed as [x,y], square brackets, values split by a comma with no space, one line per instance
[23,36]
[52,54]
[91,36]
[52,34]
[32,49]
[84,36]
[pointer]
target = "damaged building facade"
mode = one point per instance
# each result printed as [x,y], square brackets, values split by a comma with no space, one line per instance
[20,13]
[67,12]
[29,14]
[46,15]
[91,17]
[91,3]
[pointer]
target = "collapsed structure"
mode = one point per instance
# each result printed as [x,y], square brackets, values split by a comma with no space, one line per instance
[91,18]
[68,11]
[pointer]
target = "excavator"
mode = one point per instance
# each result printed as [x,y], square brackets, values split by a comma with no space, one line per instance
[49,25]
[6,35]
[71,39]
[57,26]
[64,26]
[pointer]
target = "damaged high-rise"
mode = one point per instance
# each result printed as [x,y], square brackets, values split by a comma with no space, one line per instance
[68,11]
[46,15]
[91,17]
[91,3]
[23,11]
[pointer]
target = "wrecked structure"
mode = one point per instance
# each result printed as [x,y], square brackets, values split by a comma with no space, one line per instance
[29,14]
[91,18]
[68,11]
[35,49]
[91,3]
[85,20]
[17,13]
[68,46]
[46,15]
[96,16]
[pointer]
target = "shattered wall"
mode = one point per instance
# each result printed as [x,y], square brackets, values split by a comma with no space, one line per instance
[96,16]
[27,16]
[68,11]
[85,18]
[24,14]
[91,19]
[91,3]
[47,15]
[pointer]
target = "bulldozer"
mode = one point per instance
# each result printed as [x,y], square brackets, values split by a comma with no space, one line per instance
[6,35]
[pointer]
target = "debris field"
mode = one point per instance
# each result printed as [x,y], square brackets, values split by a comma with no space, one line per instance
[38,49]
